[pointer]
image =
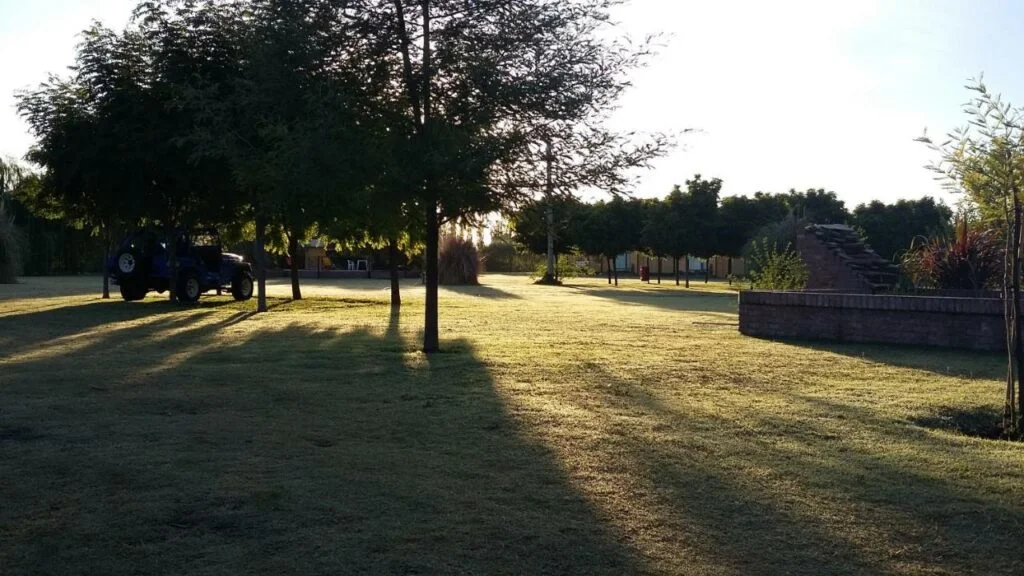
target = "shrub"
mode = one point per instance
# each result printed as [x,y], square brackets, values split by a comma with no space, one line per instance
[10,248]
[567,266]
[502,256]
[775,269]
[458,261]
[971,260]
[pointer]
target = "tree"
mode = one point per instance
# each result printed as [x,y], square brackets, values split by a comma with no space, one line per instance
[701,214]
[624,221]
[109,139]
[740,217]
[817,206]
[590,228]
[276,92]
[544,226]
[10,246]
[668,229]
[985,160]
[891,228]
[582,154]
[476,79]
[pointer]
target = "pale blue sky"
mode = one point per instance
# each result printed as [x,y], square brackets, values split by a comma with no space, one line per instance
[788,93]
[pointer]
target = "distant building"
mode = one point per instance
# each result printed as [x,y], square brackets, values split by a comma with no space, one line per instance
[630,263]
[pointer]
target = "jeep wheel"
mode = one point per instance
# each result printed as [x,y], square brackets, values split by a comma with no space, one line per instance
[132,292]
[241,286]
[188,287]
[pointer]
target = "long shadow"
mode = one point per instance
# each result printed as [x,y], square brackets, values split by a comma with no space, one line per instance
[22,331]
[288,450]
[482,291]
[671,300]
[961,363]
[814,504]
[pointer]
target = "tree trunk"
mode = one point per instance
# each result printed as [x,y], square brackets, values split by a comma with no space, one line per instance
[430,335]
[549,275]
[676,266]
[728,268]
[261,264]
[616,272]
[106,258]
[659,269]
[707,270]
[396,295]
[609,260]
[686,268]
[293,251]
[172,262]
[1018,342]
[648,269]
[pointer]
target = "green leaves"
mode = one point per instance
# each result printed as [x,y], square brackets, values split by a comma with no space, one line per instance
[771,268]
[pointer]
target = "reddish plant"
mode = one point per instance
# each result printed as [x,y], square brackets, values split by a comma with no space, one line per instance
[971,260]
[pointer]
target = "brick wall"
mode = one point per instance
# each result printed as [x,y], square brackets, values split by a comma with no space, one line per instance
[970,323]
[825,270]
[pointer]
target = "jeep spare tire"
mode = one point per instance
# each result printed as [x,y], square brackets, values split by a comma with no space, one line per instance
[129,264]
[241,286]
[188,287]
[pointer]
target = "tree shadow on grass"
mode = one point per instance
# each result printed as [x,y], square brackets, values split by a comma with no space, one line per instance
[33,329]
[282,450]
[671,300]
[962,363]
[771,493]
[481,290]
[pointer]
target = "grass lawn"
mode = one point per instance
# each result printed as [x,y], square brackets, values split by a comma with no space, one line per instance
[583,429]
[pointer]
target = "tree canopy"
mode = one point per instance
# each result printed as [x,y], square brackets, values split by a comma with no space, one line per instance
[891,228]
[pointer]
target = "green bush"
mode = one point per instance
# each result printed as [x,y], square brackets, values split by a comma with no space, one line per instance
[567,266]
[503,256]
[774,269]
[10,248]
[458,261]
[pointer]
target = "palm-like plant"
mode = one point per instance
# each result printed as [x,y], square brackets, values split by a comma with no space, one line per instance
[458,261]
[971,260]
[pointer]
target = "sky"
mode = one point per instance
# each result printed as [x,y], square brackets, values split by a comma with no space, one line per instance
[782,94]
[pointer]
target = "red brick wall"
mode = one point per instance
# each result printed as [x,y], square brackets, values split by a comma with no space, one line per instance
[825,270]
[971,323]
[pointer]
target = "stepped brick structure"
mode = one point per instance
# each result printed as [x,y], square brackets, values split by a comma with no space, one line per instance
[839,260]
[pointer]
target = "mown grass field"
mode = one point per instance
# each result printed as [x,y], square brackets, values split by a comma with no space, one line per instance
[576,430]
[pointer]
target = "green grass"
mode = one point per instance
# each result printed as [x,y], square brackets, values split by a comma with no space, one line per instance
[583,429]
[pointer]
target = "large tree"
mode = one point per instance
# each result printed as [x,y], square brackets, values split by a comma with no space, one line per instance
[277,90]
[478,79]
[110,139]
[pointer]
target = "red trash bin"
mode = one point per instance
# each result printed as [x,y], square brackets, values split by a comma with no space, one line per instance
[645,274]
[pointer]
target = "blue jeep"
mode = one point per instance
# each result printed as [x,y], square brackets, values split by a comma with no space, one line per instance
[142,264]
